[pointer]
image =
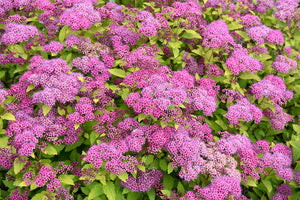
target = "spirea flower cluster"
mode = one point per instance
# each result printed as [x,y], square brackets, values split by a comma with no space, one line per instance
[188,100]
[245,111]
[17,33]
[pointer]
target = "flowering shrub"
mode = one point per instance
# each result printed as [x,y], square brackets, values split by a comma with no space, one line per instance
[182,100]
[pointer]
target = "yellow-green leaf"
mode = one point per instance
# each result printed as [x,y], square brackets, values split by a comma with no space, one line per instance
[117,72]
[76,126]
[61,111]
[123,176]
[66,179]
[8,116]
[30,87]
[19,163]
[109,191]
[51,150]
[46,109]
[191,34]
[81,78]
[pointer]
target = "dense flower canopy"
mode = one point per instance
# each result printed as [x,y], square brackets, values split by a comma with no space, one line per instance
[136,99]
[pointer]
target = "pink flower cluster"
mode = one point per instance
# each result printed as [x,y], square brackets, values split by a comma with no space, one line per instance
[240,61]
[272,87]
[84,111]
[112,11]
[25,142]
[250,20]
[197,128]
[16,33]
[11,59]
[112,155]
[53,47]
[217,35]
[57,84]
[157,137]
[3,95]
[278,119]
[285,9]
[284,64]
[281,160]
[187,153]
[149,24]
[297,177]
[144,181]
[122,35]
[220,188]
[230,96]
[47,176]
[93,66]
[191,64]
[202,99]
[283,192]
[80,16]
[262,33]
[143,57]
[72,40]
[243,110]
[18,195]
[262,5]
[243,147]
[157,96]
[6,158]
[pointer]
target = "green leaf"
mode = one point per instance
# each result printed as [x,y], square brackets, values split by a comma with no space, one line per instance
[81,78]
[109,191]
[8,116]
[51,150]
[39,196]
[149,159]
[61,111]
[296,149]
[75,145]
[63,34]
[117,72]
[163,165]
[19,163]
[2,74]
[66,179]
[244,35]
[296,128]
[170,169]
[141,167]
[76,126]
[151,194]
[234,25]
[163,124]
[141,116]
[249,76]
[33,186]
[69,57]
[180,188]
[133,196]
[95,191]
[123,176]
[168,181]
[19,50]
[46,109]
[264,105]
[191,34]
[30,87]
[175,48]
[268,185]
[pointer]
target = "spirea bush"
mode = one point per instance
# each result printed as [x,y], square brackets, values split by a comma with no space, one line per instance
[149,100]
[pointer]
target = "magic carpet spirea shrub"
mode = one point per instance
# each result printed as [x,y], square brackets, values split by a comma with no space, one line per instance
[180,100]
